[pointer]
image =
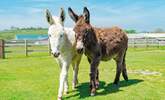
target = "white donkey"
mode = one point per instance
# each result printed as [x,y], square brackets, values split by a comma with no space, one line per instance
[62,42]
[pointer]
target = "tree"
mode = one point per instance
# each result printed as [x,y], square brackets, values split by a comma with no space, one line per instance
[159,30]
[130,31]
[14,28]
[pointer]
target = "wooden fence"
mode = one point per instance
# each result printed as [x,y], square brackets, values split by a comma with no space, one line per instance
[27,46]
[23,47]
[2,52]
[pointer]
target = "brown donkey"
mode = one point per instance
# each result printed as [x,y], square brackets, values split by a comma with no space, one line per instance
[99,44]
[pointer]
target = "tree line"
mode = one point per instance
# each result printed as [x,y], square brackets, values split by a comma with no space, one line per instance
[129,31]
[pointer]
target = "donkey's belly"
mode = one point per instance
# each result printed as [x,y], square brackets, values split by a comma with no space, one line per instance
[106,58]
[103,58]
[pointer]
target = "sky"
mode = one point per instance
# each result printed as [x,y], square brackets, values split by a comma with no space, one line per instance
[141,15]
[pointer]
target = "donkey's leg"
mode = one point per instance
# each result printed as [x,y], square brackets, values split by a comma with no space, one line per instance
[118,72]
[124,70]
[66,85]
[59,63]
[75,75]
[97,78]
[119,62]
[93,68]
[75,71]
[63,76]
[66,81]
[97,74]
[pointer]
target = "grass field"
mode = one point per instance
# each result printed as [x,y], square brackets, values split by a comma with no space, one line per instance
[36,78]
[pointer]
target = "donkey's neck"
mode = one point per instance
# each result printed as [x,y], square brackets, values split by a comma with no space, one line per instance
[66,45]
[69,42]
[90,39]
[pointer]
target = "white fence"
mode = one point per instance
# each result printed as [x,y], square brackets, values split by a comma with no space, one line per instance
[28,46]
[146,40]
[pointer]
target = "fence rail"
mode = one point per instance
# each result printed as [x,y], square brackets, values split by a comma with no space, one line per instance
[28,46]
[146,42]
[25,46]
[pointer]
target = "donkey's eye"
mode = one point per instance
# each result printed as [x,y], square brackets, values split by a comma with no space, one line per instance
[49,35]
[61,35]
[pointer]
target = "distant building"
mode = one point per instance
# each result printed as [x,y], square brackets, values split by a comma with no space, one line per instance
[31,36]
[146,35]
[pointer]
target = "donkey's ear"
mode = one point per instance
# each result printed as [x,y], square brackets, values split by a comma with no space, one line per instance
[62,16]
[49,17]
[86,15]
[73,16]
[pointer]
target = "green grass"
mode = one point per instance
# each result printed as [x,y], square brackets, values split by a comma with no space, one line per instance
[37,78]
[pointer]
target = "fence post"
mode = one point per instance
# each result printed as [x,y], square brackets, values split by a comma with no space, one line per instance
[49,48]
[2,49]
[147,42]
[26,49]
[134,43]
[158,43]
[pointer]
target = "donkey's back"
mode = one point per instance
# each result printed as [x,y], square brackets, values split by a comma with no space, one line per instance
[112,41]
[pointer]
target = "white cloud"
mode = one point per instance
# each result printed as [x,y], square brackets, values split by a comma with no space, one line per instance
[132,16]
[22,21]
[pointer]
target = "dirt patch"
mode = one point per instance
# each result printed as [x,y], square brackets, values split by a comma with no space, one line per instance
[144,72]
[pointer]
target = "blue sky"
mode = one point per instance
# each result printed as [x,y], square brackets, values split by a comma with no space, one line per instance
[142,15]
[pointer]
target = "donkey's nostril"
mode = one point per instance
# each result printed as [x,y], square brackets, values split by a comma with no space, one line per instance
[56,54]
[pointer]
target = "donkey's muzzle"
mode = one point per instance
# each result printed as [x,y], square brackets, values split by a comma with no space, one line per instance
[80,50]
[56,54]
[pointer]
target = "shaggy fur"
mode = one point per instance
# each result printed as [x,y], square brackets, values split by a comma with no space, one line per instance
[100,44]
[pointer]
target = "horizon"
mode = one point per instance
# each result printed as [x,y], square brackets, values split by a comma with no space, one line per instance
[141,15]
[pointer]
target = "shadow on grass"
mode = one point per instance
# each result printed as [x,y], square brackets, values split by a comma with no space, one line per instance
[84,92]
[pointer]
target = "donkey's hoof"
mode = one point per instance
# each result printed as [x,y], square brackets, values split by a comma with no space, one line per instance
[59,98]
[97,85]
[92,94]
[74,87]
[66,92]
[115,82]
